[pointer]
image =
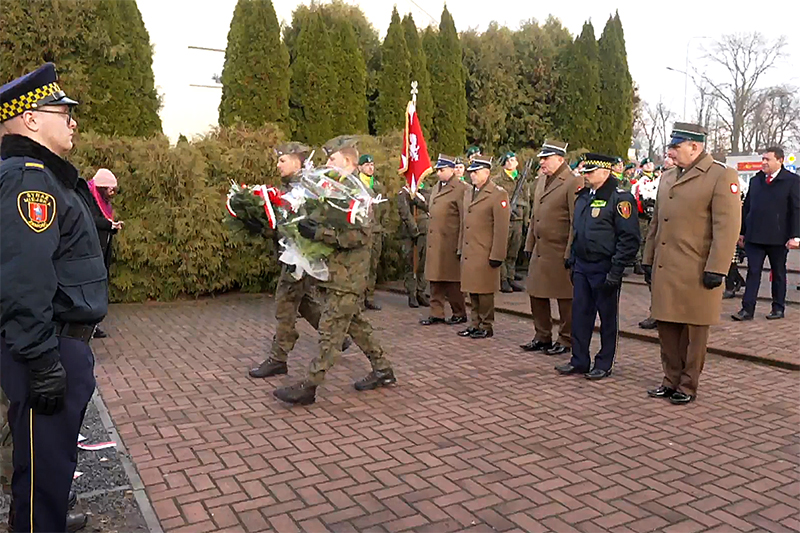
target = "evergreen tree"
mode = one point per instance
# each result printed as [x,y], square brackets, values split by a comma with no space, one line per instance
[393,79]
[255,80]
[419,73]
[313,83]
[616,92]
[349,104]
[447,83]
[578,94]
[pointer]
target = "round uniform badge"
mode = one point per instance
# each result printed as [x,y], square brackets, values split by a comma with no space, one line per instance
[37,209]
[734,188]
[595,212]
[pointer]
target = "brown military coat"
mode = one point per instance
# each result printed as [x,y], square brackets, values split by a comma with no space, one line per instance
[550,234]
[444,231]
[485,237]
[694,230]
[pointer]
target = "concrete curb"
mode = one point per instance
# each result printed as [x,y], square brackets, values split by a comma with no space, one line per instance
[631,334]
[738,297]
[139,493]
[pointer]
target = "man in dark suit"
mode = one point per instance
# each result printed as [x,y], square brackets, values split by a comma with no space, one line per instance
[770,226]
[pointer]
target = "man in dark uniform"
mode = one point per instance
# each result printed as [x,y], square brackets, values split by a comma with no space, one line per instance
[55,291]
[605,241]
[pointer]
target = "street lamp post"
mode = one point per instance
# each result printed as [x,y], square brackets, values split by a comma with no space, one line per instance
[685,72]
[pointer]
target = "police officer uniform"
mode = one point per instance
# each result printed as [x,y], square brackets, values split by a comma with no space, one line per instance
[55,291]
[605,240]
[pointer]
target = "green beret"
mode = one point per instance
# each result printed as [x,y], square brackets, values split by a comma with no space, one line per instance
[505,157]
[472,150]
[366,158]
[645,161]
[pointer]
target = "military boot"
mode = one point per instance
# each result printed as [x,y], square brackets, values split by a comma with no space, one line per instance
[412,301]
[375,379]
[505,286]
[269,368]
[515,286]
[371,305]
[423,299]
[76,521]
[303,393]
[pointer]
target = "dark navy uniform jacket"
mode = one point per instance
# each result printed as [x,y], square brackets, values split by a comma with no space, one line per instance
[51,264]
[605,226]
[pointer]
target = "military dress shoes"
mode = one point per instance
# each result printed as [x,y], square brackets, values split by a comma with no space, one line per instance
[517,287]
[596,374]
[375,379]
[774,315]
[638,269]
[567,369]
[303,393]
[412,301]
[467,332]
[269,368]
[742,315]
[505,286]
[661,392]
[536,346]
[431,320]
[99,333]
[680,398]
[557,349]
[453,320]
[481,334]
[371,305]
[728,294]
[76,521]
[423,300]
[648,323]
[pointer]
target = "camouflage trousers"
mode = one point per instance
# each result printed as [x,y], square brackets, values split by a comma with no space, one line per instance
[6,447]
[509,267]
[293,296]
[418,285]
[374,260]
[342,315]
[644,226]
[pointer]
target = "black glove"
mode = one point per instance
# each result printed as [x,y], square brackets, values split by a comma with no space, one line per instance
[612,282]
[528,255]
[47,387]
[494,263]
[712,280]
[307,228]
[648,273]
[568,263]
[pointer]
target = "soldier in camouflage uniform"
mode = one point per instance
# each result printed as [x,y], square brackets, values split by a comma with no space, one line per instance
[414,230]
[460,169]
[341,295]
[366,171]
[618,171]
[292,295]
[506,177]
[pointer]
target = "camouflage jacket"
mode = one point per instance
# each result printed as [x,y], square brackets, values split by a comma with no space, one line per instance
[411,226]
[508,184]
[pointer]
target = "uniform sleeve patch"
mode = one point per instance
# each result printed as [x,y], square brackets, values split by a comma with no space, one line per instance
[624,209]
[735,188]
[37,209]
[503,204]
[30,164]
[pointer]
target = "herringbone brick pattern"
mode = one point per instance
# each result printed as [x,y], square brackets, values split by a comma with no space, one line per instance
[476,435]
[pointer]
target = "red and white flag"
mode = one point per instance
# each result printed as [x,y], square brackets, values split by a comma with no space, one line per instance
[415,163]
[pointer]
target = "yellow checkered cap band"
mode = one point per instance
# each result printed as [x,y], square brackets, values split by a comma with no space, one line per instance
[598,164]
[27,101]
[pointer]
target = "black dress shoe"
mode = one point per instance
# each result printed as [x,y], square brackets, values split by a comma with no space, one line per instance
[648,323]
[76,521]
[99,333]
[728,294]
[481,334]
[412,301]
[567,369]
[423,300]
[431,320]
[73,499]
[536,346]
[505,287]
[371,305]
[453,320]
[375,379]
[637,269]
[269,368]
[774,315]
[303,393]
[680,398]
[517,287]
[742,315]
[596,374]
[557,349]
[661,392]
[467,332]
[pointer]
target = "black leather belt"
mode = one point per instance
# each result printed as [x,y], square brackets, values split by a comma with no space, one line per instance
[81,332]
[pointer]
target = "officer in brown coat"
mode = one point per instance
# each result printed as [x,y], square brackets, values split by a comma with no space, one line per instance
[442,264]
[691,239]
[485,239]
[548,248]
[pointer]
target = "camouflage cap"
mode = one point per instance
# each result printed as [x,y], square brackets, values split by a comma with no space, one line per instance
[339,143]
[293,148]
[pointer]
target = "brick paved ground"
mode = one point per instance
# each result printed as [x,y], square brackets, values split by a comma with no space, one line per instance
[476,436]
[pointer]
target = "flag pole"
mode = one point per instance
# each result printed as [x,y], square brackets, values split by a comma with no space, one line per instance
[413,192]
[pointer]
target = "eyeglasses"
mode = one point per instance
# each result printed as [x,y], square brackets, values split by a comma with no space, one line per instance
[68,112]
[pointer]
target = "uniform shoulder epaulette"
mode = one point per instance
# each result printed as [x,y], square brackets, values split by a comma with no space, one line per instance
[30,162]
[720,163]
[499,187]
[621,190]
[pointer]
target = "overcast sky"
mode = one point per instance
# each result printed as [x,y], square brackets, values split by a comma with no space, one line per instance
[657,35]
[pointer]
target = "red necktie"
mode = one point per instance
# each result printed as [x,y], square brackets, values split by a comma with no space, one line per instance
[769,179]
